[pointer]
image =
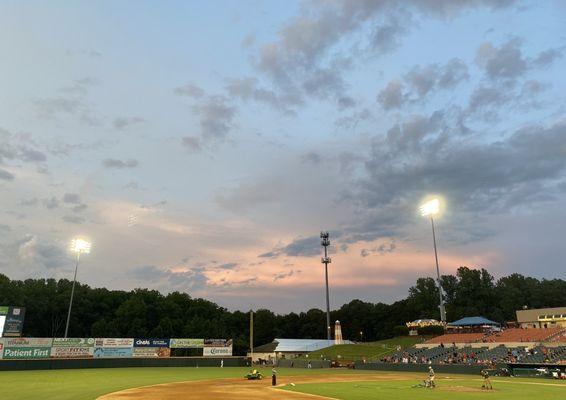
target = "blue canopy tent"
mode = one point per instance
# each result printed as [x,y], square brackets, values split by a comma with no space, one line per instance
[473,322]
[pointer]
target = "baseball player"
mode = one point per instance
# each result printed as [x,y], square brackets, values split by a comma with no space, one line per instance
[486,381]
[430,382]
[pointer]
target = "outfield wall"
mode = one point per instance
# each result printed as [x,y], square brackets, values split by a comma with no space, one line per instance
[39,364]
[301,363]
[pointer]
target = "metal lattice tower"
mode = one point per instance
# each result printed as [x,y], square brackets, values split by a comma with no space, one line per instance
[326,260]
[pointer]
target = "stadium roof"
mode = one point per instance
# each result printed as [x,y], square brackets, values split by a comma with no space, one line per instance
[296,345]
[473,321]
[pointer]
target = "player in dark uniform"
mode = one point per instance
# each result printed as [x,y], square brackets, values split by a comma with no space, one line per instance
[486,381]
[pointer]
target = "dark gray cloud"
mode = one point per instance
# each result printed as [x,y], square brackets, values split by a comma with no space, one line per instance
[32,155]
[494,172]
[216,117]
[114,163]
[34,250]
[285,275]
[300,247]
[229,266]
[507,61]
[382,249]
[191,279]
[420,82]
[304,59]
[249,89]
[6,175]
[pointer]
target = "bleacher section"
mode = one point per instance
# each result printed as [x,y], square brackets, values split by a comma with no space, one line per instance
[457,338]
[515,335]
[517,346]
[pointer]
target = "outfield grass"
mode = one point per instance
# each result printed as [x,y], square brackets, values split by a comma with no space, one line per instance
[88,384]
[461,388]
[371,350]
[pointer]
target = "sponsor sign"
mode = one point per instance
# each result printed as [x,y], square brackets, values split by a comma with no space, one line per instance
[118,342]
[1,347]
[4,310]
[73,342]
[13,321]
[217,342]
[150,352]
[113,352]
[13,353]
[28,342]
[217,351]
[151,343]
[187,343]
[72,352]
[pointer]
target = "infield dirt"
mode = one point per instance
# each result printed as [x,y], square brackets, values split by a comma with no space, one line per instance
[241,389]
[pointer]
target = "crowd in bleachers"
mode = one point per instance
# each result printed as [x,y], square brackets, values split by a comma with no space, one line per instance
[469,356]
[511,335]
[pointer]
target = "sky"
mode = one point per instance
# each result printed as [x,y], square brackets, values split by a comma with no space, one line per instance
[202,146]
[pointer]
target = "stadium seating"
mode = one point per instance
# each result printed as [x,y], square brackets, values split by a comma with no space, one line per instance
[457,338]
[522,335]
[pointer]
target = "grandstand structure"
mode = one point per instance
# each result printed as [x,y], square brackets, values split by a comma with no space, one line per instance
[478,341]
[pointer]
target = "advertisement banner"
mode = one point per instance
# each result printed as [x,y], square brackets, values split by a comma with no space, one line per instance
[217,342]
[73,342]
[151,352]
[117,342]
[113,352]
[187,343]
[14,353]
[1,347]
[217,351]
[4,310]
[13,322]
[28,342]
[151,343]
[72,352]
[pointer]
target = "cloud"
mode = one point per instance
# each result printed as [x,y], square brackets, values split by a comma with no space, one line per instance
[248,89]
[311,157]
[382,249]
[34,251]
[191,143]
[124,122]
[216,117]
[190,90]
[71,198]
[50,203]
[6,175]
[422,81]
[507,61]
[70,101]
[300,247]
[32,155]
[73,219]
[114,163]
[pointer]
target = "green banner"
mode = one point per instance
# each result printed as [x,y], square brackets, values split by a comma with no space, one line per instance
[14,353]
[4,310]
[73,342]
[187,343]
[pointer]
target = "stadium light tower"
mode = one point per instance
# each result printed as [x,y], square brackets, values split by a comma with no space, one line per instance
[326,260]
[78,246]
[430,209]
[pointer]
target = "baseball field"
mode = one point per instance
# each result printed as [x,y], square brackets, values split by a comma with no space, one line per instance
[228,383]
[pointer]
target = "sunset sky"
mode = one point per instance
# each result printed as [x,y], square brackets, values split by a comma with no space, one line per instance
[202,145]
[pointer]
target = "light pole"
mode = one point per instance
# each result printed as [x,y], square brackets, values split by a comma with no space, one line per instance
[430,209]
[78,246]
[326,260]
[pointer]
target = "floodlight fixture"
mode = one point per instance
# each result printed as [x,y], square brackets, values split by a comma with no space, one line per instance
[80,246]
[431,207]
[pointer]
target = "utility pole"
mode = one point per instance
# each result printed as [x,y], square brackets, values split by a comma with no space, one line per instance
[326,260]
[252,337]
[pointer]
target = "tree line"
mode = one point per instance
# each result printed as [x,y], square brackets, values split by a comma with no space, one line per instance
[99,312]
